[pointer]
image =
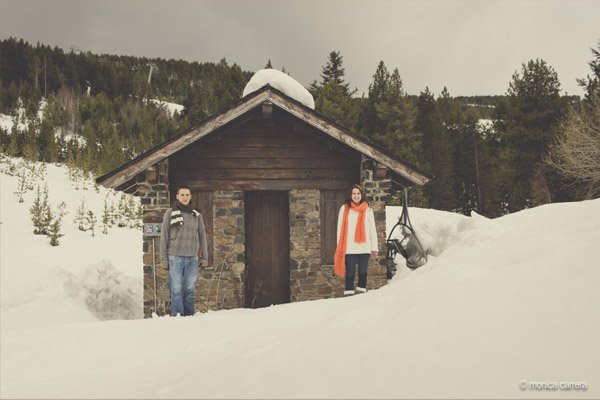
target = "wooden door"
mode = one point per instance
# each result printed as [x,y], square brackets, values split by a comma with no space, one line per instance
[267,248]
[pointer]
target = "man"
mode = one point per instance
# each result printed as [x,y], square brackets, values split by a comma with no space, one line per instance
[183,238]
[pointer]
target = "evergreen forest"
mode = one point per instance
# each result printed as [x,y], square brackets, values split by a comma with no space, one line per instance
[489,154]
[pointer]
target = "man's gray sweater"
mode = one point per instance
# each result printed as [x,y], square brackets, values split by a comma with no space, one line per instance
[187,239]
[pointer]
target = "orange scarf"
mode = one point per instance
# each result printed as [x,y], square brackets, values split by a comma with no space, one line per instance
[360,235]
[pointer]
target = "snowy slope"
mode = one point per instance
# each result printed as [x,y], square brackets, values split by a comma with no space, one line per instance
[41,284]
[501,302]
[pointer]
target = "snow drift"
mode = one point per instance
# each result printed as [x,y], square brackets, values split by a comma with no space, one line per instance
[502,303]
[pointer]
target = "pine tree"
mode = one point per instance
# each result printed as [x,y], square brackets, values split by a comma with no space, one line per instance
[436,152]
[122,211]
[13,144]
[4,139]
[368,122]
[55,232]
[113,214]
[29,143]
[269,65]
[91,221]
[529,120]
[395,118]
[42,171]
[333,97]
[47,147]
[22,186]
[132,214]
[334,72]
[46,213]
[36,212]
[106,217]
[465,162]
[80,216]
[139,217]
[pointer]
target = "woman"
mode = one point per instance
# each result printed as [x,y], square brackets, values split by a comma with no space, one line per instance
[356,239]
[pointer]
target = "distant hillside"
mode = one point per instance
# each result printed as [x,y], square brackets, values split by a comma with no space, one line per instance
[96,114]
[34,71]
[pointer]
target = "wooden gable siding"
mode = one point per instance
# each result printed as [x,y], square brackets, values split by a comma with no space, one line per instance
[265,154]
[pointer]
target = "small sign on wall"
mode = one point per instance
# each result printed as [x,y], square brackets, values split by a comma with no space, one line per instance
[152,229]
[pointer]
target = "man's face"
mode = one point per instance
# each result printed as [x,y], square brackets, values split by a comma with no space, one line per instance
[184,196]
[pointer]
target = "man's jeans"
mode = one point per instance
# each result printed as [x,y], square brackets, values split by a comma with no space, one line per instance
[363,262]
[183,274]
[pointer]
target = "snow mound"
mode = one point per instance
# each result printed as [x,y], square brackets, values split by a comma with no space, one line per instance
[110,294]
[436,230]
[98,292]
[282,82]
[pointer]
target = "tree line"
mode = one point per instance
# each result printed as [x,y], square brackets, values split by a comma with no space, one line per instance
[516,161]
[96,108]
[97,116]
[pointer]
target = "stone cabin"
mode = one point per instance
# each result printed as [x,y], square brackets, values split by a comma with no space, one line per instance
[268,175]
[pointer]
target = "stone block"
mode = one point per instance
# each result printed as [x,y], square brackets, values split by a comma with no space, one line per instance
[325,290]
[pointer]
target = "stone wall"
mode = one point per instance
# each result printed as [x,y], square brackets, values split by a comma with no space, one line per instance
[153,189]
[377,182]
[221,286]
[309,280]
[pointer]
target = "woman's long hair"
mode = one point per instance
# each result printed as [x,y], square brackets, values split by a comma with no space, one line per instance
[363,194]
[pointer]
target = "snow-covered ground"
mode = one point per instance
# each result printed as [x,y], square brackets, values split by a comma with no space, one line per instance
[7,121]
[502,303]
[171,108]
[85,278]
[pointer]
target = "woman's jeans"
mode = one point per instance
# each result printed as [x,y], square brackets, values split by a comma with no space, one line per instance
[363,262]
[183,274]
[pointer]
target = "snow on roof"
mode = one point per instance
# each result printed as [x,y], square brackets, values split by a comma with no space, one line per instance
[282,82]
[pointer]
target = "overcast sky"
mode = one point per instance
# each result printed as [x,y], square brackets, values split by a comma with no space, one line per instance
[472,47]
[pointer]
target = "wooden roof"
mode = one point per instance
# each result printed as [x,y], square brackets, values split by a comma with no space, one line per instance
[404,172]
